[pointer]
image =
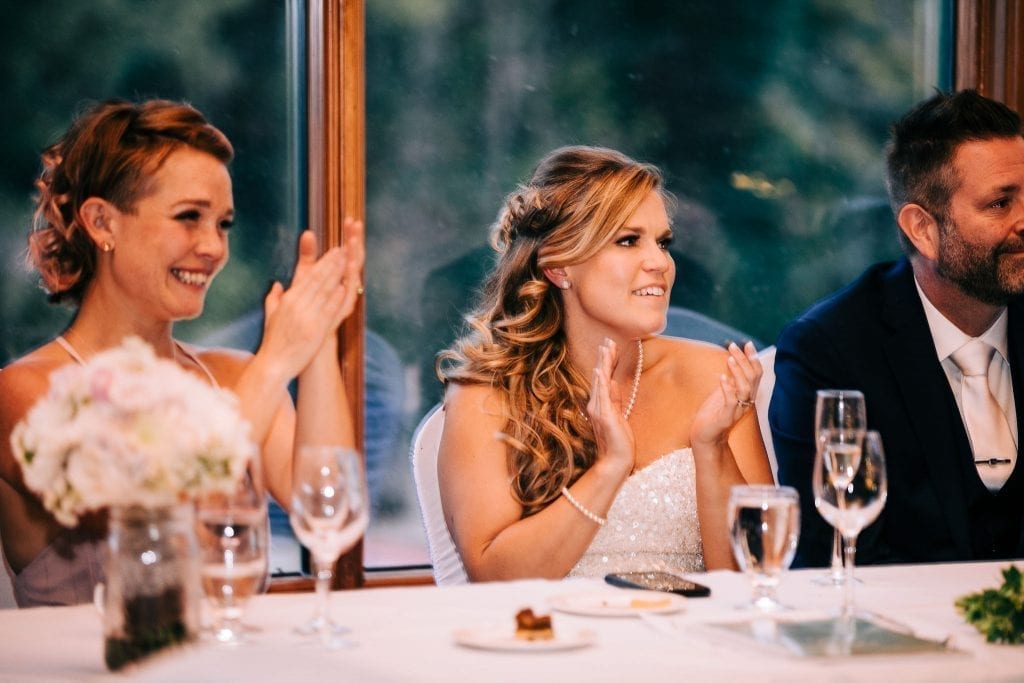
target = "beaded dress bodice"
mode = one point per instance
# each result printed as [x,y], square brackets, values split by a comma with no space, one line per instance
[652,525]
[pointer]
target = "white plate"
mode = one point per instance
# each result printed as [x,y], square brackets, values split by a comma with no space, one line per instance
[619,602]
[501,638]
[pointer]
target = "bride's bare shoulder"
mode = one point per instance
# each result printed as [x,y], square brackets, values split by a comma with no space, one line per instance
[688,355]
[469,399]
[688,363]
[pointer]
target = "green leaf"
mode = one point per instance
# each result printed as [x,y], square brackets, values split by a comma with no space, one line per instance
[997,613]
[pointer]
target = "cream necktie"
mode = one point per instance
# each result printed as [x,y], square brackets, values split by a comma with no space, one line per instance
[991,440]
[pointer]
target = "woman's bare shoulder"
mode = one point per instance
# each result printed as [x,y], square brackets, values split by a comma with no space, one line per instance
[688,359]
[28,377]
[687,346]
[471,442]
[226,364]
[22,383]
[464,399]
[473,415]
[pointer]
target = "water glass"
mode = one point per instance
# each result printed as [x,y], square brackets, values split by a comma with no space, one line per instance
[764,524]
[233,533]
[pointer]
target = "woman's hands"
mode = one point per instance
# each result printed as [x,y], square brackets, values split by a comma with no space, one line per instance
[731,401]
[300,340]
[323,293]
[719,450]
[612,434]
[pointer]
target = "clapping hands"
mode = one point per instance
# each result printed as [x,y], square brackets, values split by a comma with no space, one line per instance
[612,433]
[299,320]
[733,398]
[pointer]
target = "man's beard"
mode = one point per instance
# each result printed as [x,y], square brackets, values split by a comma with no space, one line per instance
[976,269]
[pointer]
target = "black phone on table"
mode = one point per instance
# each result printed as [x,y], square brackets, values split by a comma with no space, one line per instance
[659,581]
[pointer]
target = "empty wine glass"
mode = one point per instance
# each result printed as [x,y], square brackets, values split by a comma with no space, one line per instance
[840,419]
[233,534]
[850,494]
[330,512]
[764,523]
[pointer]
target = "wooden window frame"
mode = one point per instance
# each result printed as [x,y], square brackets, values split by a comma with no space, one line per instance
[989,40]
[989,56]
[336,168]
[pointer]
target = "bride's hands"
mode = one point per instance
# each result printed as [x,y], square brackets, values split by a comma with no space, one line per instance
[731,401]
[612,433]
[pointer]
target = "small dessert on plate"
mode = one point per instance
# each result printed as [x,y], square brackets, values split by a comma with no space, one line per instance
[530,626]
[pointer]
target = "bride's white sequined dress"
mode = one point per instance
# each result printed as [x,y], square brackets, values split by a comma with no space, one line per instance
[652,525]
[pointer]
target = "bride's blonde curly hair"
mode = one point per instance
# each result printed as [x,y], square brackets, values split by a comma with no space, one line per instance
[575,203]
[111,151]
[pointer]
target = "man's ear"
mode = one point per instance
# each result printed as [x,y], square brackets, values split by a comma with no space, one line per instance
[558,277]
[97,215]
[921,228]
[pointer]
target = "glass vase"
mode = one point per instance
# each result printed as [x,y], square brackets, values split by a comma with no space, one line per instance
[152,592]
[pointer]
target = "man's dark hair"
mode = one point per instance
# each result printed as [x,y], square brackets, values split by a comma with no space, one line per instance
[922,144]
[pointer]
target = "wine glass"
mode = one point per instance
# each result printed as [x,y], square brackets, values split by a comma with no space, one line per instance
[850,493]
[764,523]
[840,420]
[233,533]
[330,512]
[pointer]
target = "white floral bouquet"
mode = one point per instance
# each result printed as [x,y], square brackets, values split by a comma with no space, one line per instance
[128,428]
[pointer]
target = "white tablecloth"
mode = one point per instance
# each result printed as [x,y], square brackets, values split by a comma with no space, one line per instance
[405,634]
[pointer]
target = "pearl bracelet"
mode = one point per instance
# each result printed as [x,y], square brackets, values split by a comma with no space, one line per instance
[600,521]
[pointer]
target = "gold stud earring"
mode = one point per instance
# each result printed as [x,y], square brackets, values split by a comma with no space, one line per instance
[107,247]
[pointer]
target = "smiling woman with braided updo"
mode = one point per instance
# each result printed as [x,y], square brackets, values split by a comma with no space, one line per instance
[131,226]
[577,441]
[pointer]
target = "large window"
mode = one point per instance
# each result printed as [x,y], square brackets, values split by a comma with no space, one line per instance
[768,119]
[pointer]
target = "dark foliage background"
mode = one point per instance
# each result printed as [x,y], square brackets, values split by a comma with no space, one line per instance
[768,119]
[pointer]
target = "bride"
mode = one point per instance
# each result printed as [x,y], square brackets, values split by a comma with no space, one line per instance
[576,440]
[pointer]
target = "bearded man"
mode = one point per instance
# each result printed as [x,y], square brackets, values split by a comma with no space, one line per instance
[935,341]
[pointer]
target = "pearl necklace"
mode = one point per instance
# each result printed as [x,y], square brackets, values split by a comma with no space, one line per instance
[636,383]
[636,379]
